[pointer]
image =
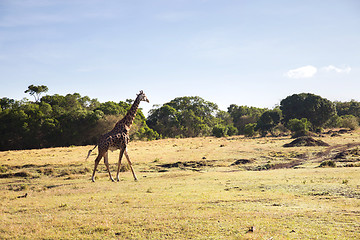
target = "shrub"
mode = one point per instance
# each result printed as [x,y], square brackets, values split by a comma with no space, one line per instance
[298,127]
[46,171]
[219,131]
[3,169]
[22,174]
[328,163]
[349,121]
[16,187]
[268,121]
[249,129]
[64,172]
[231,130]
[334,122]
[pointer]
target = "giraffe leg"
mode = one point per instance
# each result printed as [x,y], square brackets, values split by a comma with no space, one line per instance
[97,160]
[132,170]
[119,163]
[106,161]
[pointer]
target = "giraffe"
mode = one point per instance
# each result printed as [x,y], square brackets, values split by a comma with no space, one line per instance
[118,138]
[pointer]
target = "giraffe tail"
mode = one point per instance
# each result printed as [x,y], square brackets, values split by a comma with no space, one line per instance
[90,152]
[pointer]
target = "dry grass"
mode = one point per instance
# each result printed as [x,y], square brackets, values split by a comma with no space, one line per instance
[187,189]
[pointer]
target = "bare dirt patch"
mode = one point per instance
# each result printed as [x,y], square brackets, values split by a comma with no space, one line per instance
[189,165]
[346,154]
[269,166]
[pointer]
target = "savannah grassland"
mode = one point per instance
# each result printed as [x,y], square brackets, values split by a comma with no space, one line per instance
[198,188]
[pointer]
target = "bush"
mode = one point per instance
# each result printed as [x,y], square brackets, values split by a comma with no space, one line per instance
[328,163]
[150,134]
[268,121]
[249,129]
[22,174]
[219,131]
[334,122]
[242,115]
[349,121]
[231,130]
[298,127]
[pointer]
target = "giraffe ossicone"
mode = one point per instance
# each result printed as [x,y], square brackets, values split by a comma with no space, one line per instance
[118,138]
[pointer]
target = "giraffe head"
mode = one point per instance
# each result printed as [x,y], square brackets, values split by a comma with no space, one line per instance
[142,96]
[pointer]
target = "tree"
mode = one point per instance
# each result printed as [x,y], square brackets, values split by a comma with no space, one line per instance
[6,103]
[36,91]
[62,121]
[349,121]
[193,125]
[243,115]
[110,108]
[219,131]
[164,120]
[231,130]
[348,108]
[249,129]
[268,121]
[200,107]
[316,109]
[184,117]
[224,117]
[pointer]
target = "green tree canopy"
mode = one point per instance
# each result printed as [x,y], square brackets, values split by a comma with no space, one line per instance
[36,91]
[348,108]
[316,109]
[6,103]
[243,115]
[184,117]
[298,127]
[62,121]
[268,121]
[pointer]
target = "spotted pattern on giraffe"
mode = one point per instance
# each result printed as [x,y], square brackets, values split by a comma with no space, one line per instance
[118,138]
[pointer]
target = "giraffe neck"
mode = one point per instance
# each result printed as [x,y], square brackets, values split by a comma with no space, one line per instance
[130,115]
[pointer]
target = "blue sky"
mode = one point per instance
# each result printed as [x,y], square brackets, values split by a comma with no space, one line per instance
[240,52]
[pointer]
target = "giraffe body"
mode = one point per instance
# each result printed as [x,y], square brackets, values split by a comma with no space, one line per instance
[118,138]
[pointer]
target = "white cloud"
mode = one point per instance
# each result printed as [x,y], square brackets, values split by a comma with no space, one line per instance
[332,68]
[302,72]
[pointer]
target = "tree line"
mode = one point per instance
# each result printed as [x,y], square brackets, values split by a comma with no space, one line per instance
[56,120]
[299,114]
